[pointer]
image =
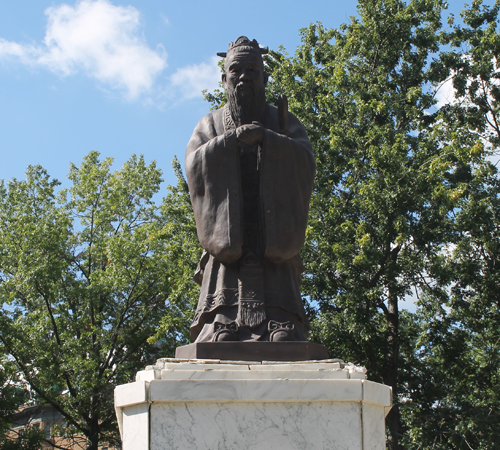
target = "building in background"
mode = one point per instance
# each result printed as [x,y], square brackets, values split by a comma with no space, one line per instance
[51,423]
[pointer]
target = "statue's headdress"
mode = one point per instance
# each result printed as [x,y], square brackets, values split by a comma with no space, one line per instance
[243,41]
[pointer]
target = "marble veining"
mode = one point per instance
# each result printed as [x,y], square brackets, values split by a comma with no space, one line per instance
[302,426]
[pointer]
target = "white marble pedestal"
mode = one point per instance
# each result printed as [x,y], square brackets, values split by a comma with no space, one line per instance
[222,405]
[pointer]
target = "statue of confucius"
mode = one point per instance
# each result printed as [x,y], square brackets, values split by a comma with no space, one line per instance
[250,170]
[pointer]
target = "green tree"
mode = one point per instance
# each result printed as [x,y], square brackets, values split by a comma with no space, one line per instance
[86,276]
[454,403]
[184,250]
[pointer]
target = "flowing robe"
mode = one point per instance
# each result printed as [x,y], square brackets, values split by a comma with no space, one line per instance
[286,174]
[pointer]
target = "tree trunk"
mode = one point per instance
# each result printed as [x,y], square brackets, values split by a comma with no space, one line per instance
[391,369]
[93,437]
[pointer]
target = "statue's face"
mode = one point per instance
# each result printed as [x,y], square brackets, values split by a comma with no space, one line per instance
[244,71]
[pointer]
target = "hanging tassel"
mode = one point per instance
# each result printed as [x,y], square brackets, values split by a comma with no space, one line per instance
[251,313]
[251,307]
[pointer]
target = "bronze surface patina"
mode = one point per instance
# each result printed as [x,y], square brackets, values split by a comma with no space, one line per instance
[250,170]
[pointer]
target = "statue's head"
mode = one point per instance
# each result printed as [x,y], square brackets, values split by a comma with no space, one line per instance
[244,79]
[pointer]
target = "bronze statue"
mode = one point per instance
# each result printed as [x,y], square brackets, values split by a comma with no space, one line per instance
[250,170]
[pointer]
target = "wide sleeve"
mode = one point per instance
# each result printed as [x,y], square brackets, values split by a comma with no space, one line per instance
[287,178]
[213,174]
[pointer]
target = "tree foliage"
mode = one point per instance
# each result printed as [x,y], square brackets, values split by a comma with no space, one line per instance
[87,274]
[454,400]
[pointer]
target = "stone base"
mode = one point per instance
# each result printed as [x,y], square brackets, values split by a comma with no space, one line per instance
[237,405]
[253,351]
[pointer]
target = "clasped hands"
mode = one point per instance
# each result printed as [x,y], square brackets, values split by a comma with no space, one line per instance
[251,134]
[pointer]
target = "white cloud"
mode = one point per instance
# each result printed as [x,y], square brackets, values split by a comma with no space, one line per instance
[105,42]
[98,38]
[188,82]
[13,49]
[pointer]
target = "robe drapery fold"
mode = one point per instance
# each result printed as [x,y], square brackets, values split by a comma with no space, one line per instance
[286,168]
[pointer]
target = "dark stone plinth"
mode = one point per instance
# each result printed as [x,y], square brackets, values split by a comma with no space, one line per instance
[253,351]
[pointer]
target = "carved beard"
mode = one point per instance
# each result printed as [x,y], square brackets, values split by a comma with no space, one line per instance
[246,105]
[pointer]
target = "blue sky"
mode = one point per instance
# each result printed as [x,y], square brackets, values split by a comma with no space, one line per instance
[123,76]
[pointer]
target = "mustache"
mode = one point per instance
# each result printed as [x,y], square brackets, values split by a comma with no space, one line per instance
[244,84]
